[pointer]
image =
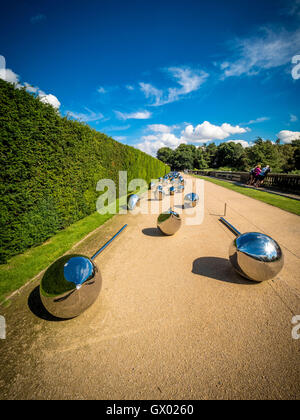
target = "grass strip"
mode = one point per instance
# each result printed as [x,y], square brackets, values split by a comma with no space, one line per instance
[284,203]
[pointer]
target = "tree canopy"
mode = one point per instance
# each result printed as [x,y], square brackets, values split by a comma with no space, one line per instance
[233,156]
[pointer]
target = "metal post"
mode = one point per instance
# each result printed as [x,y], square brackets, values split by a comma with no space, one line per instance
[107,243]
[232,228]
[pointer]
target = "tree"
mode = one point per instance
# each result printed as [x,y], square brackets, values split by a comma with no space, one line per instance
[199,159]
[210,152]
[165,154]
[266,153]
[183,157]
[231,154]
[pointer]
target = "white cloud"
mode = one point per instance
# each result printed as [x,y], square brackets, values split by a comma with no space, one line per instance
[101,90]
[11,77]
[90,116]
[152,143]
[49,99]
[159,128]
[258,120]
[189,81]
[244,143]
[273,48]
[293,118]
[288,136]
[30,88]
[162,135]
[7,74]
[129,87]
[2,62]
[206,132]
[151,92]
[140,115]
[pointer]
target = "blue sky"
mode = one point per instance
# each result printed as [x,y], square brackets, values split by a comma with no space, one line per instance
[160,73]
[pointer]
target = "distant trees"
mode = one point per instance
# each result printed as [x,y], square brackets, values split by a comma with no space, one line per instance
[231,155]
[165,155]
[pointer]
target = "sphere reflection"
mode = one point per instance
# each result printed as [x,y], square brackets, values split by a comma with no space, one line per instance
[70,285]
[169,222]
[256,256]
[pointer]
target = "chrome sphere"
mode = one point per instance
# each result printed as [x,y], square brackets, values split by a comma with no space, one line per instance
[70,285]
[180,189]
[256,256]
[133,201]
[159,193]
[165,181]
[151,185]
[169,222]
[172,190]
[191,200]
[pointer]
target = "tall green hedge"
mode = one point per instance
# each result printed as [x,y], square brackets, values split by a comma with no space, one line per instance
[50,166]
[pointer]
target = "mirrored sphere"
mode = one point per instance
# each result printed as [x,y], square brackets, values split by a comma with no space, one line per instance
[169,222]
[191,200]
[159,193]
[70,285]
[256,256]
[180,188]
[133,201]
[172,190]
[151,185]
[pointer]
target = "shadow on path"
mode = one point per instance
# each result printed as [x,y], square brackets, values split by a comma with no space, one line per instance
[218,269]
[152,232]
[37,308]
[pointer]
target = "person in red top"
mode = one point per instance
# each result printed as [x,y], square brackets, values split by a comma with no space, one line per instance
[256,173]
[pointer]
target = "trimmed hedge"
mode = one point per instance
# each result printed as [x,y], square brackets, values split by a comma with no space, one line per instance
[50,166]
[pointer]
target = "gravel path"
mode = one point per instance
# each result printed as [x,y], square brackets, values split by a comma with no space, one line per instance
[173,320]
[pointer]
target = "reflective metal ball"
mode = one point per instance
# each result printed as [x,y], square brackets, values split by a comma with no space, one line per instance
[159,193]
[180,189]
[70,285]
[256,256]
[172,190]
[133,201]
[191,200]
[151,185]
[169,222]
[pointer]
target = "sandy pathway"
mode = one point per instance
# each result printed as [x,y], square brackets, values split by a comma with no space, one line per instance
[173,320]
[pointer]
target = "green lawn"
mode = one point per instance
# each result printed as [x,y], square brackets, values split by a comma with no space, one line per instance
[22,268]
[287,204]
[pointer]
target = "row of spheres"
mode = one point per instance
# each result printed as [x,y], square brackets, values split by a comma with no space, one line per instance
[72,283]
